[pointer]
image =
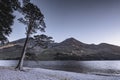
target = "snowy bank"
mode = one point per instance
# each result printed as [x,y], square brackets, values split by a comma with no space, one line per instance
[45,74]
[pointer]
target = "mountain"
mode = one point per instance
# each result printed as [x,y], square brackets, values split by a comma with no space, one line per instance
[69,49]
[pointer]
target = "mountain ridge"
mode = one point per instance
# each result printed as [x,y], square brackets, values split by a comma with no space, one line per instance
[69,49]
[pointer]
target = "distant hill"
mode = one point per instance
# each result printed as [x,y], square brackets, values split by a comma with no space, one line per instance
[69,49]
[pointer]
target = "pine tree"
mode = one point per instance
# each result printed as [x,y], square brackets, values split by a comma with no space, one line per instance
[7,18]
[33,18]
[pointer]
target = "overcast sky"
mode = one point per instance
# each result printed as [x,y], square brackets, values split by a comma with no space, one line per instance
[89,21]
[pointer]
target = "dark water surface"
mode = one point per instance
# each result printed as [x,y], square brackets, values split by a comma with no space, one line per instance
[74,66]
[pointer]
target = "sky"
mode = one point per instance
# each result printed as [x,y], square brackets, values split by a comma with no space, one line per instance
[89,21]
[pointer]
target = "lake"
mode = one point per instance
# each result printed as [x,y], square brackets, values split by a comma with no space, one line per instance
[73,66]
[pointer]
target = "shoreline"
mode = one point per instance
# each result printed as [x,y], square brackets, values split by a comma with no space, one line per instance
[9,73]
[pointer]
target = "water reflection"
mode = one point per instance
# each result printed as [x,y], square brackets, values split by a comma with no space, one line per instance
[74,66]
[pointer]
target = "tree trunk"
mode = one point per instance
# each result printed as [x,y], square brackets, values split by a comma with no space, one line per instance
[20,64]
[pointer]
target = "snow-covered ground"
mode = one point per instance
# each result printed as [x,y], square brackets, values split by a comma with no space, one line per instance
[45,74]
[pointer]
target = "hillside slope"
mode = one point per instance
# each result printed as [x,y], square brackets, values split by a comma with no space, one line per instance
[69,49]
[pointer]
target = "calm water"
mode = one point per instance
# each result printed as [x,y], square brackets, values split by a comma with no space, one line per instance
[74,66]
